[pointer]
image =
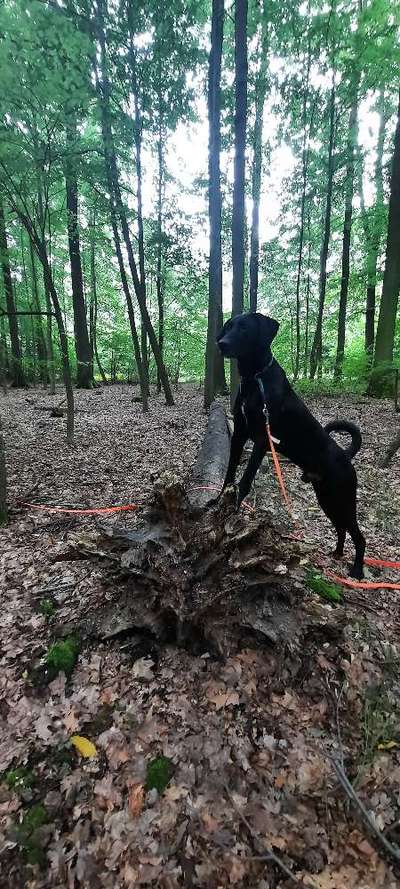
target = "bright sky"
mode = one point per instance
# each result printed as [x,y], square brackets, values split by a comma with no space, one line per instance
[187,162]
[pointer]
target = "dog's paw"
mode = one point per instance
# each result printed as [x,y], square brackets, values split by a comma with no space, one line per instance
[356,573]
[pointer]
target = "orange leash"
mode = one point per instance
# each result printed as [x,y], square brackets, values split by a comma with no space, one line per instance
[345,581]
[278,472]
[100,510]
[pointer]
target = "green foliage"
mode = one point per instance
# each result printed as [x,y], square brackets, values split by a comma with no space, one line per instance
[20,778]
[62,656]
[47,607]
[29,837]
[329,591]
[159,773]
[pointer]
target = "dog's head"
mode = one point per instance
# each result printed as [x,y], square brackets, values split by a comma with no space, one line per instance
[246,335]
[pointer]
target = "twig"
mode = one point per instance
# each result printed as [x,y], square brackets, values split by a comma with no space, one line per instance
[269,853]
[349,789]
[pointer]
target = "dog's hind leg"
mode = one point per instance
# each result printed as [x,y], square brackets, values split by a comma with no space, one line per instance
[341,537]
[258,453]
[359,543]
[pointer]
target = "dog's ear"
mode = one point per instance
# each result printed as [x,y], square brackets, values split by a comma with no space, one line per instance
[268,327]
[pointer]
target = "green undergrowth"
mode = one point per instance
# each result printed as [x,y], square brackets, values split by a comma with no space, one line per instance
[318,584]
[159,773]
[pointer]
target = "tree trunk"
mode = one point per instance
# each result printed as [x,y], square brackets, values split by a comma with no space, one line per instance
[261,89]
[238,251]
[138,163]
[84,375]
[17,373]
[103,90]
[93,286]
[348,213]
[384,346]
[159,271]
[316,349]
[131,314]
[373,233]
[40,337]
[214,379]
[40,247]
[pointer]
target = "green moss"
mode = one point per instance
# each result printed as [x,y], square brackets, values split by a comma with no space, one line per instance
[62,656]
[47,607]
[28,836]
[159,773]
[331,592]
[20,778]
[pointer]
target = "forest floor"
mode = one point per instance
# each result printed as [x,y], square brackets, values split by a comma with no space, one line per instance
[248,746]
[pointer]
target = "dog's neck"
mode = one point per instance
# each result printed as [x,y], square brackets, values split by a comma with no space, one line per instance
[250,368]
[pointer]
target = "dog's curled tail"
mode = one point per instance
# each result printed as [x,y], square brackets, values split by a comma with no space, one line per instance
[352,429]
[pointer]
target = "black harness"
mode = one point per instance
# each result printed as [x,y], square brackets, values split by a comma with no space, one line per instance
[260,383]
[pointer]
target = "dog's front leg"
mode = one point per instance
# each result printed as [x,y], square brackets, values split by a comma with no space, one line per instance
[256,458]
[238,442]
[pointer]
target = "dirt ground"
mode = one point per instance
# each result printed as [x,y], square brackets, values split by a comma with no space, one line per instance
[247,741]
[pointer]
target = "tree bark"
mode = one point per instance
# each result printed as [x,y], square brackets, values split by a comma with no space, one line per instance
[214,379]
[17,373]
[316,349]
[103,90]
[40,247]
[84,375]
[139,179]
[40,337]
[93,286]
[238,250]
[373,231]
[261,89]
[131,313]
[348,213]
[159,271]
[384,346]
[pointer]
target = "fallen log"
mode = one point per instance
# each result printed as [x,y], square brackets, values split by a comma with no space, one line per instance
[210,467]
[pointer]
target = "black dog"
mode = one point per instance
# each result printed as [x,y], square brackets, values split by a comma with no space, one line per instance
[265,391]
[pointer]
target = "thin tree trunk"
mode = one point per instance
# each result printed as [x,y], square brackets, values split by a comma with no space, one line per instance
[305,161]
[384,345]
[307,320]
[93,287]
[139,180]
[316,349]
[40,247]
[17,373]
[131,314]
[261,89]
[40,337]
[348,213]
[373,232]
[84,376]
[214,379]
[111,164]
[159,271]
[238,251]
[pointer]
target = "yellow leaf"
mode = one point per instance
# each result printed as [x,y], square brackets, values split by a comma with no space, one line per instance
[84,746]
[387,745]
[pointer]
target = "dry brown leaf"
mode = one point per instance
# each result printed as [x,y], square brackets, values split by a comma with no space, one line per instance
[231,698]
[136,800]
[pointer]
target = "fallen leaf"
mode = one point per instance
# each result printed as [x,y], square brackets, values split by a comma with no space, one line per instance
[136,800]
[228,700]
[84,746]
